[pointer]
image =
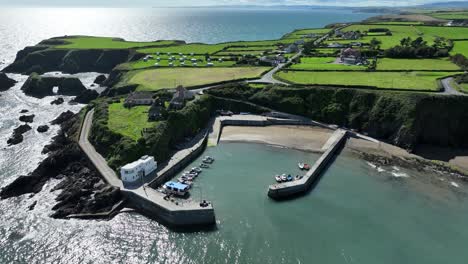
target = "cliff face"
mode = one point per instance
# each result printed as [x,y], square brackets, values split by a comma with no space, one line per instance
[404,119]
[43,59]
[40,87]
[5,82]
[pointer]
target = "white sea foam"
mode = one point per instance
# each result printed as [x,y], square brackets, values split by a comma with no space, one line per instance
[372,165]
[399,174]
[379,169]
[454,184]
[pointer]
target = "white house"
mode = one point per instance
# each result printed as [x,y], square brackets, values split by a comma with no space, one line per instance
[138,169]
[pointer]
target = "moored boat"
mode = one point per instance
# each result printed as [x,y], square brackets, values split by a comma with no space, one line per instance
[289,178]
[284,177]
[301,166]
[204,166]
[306,167]
[278,178]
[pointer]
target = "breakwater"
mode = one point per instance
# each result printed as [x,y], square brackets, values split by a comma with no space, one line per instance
[289,189]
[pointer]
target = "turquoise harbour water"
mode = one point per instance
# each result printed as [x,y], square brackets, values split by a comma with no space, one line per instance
[354,215]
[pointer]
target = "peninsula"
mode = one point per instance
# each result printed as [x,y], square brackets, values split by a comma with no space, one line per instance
[389,89]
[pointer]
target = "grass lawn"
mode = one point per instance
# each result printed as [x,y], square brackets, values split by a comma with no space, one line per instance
[164,62]
[387,80]
[324,63]
[196,48]
[450,15]
[462,87]
[107,43]
[460,47]
[248,52]
[397,23]
[416,64]
[399,32]
[128,121]
[303,32]
[253,48]
[154,79]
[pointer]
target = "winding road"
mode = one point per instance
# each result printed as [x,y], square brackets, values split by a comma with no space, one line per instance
[449,89]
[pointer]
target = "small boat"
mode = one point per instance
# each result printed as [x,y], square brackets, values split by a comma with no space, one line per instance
[208,160]
[289,178]
[278,178]
[301,166]
[284,178]
[306,167]
[204,166]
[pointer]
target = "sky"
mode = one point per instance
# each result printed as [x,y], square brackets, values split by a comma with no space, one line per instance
[164,3]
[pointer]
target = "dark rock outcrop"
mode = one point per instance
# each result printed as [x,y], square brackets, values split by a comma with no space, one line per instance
[82,190]
[27,118]
[69,61]
[43,129]
[5,82]
[100,79]
[62,118]
[39,86]
[86,97]
[24,111]
[17,136]
[57,101]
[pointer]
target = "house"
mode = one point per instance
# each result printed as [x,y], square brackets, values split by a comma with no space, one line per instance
[180,96]
[138,169]
[351,35]
[299,42]
[293,48]
[155,113]
[351,56]
[139,98]
[335,45]
[273,60]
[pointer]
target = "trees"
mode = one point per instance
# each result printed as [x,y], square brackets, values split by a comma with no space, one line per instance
[375,44]
[417,48]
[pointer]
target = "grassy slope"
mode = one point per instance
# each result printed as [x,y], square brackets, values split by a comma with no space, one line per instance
[154,79]
[416,64]
[460,47]
[106,43]
[387,80]
[450,15]
[323,63]
[164,62]
[128,122]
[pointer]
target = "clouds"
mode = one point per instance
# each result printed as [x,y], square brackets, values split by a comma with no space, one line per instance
[155,3]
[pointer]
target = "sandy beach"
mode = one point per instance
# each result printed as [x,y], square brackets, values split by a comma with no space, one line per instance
[296,137]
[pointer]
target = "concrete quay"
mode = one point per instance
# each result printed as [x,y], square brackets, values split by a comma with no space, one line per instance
[149,201]
[293,188]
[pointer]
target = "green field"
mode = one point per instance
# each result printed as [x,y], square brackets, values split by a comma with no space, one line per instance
[186,49]
[303,32]
[386,80]
[107,43]
[164,62]
[154,79]
[324,63]
[128,121]
[460,47]
[399,32]
[387,64]
[237,53]
[450,15]
[397,23]
[253,48]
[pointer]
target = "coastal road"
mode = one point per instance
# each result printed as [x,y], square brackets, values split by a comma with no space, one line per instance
[449,89]
[99,162]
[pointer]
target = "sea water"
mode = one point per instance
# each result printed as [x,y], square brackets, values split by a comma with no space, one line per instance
[356,214]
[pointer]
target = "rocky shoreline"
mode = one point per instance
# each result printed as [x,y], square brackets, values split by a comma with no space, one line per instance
[82,190]
[417,164]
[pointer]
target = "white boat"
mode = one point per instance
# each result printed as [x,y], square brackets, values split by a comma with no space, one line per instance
[278,178]
[204,166]
[208,160]
[301,166]
[176,188]
[284,177]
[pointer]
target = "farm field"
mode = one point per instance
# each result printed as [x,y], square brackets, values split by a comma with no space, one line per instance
[387,80]
[164,62]
[155,79]
[128,121]
[399,32]
[199,49]
[450,15]
[249,52]
[253,48]
[303,32]
[107,43]
[460,47]
[388,64]
[404,23]
[324,63]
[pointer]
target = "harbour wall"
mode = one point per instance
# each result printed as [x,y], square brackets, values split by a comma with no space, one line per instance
[171,170]
[173,216]
[290,189]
